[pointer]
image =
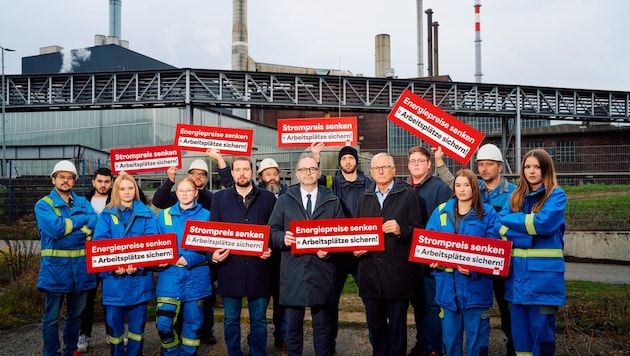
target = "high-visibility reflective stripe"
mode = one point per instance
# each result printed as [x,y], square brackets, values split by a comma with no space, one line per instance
[524,353]
[448,270]
[115,340]
[537,252]
[115,219]
[48,200]
[135,337]
[88,232]
[502,231]
[529,224]
[68,227]
[190,342]
[168,345]
[443,219]
[168,220]
[63,253]
[177,303]
[168,300]
[329,182]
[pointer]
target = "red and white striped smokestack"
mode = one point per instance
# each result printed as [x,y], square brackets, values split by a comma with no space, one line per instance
[478,74]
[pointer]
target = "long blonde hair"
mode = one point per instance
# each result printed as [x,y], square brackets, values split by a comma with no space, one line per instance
[549,180]
[115,198]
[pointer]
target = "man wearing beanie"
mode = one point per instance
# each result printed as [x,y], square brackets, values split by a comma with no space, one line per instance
[348,184]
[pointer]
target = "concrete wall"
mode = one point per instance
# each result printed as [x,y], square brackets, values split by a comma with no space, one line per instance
[614,246]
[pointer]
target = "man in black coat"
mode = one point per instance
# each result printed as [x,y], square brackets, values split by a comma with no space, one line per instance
[385,277]
[243,276]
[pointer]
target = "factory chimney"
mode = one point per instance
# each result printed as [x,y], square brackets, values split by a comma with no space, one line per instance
[240,55]
[115,23]
[419,36]
[436,60]
[429,13]
[114,18]
[478,73]
[383,55]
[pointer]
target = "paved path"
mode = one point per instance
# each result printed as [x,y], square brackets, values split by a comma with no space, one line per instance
[595,272]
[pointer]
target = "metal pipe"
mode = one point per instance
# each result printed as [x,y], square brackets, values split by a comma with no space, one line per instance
[429,13]
[4,122]
[420,65]
[436,60]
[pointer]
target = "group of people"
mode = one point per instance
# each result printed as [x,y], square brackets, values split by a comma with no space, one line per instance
[448,302]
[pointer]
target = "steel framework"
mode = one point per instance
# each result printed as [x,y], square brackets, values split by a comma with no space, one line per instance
[224,88]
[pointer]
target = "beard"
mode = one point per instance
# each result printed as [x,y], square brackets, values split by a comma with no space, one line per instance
[274,188]
[244,183]
[349,170]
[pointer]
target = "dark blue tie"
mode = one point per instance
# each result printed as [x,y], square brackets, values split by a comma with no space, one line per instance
[309,205]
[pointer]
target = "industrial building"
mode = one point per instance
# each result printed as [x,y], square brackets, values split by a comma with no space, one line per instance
[112,97]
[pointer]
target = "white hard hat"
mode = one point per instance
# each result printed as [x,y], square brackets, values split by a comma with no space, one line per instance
[198,164]
[489,152]
[64,166]
[267,163]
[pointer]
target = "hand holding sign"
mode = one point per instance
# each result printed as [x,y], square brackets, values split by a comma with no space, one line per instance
[432,124]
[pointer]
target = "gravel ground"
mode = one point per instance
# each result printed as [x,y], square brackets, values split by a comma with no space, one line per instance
[352,340]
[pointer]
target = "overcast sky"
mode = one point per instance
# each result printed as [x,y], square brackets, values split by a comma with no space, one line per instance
[556,43]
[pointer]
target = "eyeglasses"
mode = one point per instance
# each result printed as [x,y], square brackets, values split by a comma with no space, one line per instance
[197,175]
[382,168]
[64,177]
[308,170]
[188,191]
[417,161]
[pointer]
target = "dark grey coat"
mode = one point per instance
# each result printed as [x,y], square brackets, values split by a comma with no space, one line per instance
[305,280]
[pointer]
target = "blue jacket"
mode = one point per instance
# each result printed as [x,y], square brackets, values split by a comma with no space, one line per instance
[63,232]
[499,195]
[191,282]
[474,291]
[537,269]
[125,289]
[305,279]
[244,276]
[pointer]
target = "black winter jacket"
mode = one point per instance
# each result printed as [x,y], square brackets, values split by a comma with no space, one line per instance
[388,274]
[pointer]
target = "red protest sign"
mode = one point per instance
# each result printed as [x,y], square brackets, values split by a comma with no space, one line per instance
[337,235]
[141,251]
[145,159]
[240,239]
[333,131]
[436,126]
[479,254]
[227,140]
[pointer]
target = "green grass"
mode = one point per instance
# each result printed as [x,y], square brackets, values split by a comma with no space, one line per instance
[596,188]
[598,214]
[597,307]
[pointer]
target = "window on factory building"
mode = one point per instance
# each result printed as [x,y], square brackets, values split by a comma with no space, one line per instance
[565,151]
